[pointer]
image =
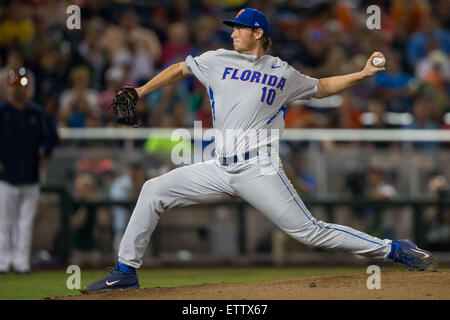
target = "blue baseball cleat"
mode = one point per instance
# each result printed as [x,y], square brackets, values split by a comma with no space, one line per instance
[407,252]
[116,279]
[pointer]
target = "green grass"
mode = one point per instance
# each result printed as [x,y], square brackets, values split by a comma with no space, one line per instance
[41,284]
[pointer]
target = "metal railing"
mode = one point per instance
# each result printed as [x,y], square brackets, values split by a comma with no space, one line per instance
[67,203]
[129,136]
[422,135]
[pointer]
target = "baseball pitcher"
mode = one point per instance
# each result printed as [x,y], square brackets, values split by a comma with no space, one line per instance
[248,91]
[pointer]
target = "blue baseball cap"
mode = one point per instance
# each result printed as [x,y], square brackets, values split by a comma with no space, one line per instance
[251,18]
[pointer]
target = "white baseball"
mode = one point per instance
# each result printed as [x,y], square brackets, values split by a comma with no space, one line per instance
[378,62]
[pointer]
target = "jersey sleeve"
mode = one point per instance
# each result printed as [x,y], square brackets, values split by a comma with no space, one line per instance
[201,67]
[301,87]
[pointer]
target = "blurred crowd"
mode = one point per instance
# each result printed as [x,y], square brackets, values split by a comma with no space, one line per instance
[127,42]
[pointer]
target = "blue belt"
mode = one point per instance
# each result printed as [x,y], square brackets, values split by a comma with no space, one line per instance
[234,159]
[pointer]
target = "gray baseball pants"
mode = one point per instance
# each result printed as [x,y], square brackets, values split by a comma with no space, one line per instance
[18,206]
[261,182]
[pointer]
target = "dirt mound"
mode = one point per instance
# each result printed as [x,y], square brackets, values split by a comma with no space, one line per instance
[397,285]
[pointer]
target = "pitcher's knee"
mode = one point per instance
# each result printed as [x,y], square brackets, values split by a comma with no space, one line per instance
[305,233]
[153,193]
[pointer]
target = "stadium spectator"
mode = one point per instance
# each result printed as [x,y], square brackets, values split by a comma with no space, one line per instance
[78,102]
[115,77]
[303,181]
[54,12]
[204,114]
[177,46]
[18,27]
[348,114]
[88,223]
[383,221]
[409,15]
[125,187]
[377,186]
[376,117]
[205,35]
[422,115]
[129,43]
[438,217]
[158,22]
[422,120]
[89,49]
[430,34]
[143,114]
[299,116]
[393,85]
[435,69]
[50,70]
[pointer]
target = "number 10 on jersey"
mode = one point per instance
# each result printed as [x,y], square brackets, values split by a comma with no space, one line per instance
[268,95]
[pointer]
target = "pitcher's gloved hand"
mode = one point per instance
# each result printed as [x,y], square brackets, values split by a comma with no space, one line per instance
[124,106]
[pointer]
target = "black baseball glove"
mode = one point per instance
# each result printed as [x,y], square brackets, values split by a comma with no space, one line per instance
[124,106]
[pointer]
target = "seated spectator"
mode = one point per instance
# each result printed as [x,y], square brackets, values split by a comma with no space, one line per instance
[431,31]
[377,186]
[125,187]
[298,116]
[130,42]
[348,114]
[91,52]
[114,80]
[408,15]
[304,182]
[79,112]
[18,26]
[177,47]
[382,221]
[54,12]
[435,69]
[142,113]
[204,114]
[315,49]
[206,37]
[181,116]
[51,70]
[78,101]
[439,102]
[438,218]
[376,117]
[421,113]
[422,120]
[89,223]
[158,22]
[393,85]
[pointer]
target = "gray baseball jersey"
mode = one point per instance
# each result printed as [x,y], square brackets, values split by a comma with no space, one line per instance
[247,94]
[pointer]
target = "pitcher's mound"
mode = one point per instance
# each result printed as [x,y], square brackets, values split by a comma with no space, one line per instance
[396,285]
